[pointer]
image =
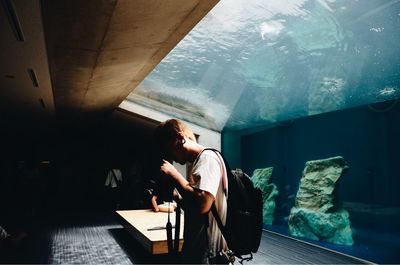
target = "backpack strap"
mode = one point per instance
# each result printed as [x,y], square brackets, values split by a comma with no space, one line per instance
[224,173]
[225,179]
[221,162]
[241,187]
[214,210]
[213,207]
[219,222]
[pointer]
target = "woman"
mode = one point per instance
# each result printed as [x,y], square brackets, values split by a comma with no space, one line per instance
[204,186]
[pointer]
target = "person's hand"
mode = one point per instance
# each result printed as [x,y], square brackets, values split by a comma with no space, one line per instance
[177,197]
[168,169]
[167,207]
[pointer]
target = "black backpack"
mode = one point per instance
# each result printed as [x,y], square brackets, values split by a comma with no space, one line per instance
[244,221]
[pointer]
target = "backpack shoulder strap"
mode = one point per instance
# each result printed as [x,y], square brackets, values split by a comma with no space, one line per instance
[230,177]
[213,207]
[224,168]
[219,222]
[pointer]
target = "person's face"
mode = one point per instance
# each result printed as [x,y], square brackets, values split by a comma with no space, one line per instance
[176,152]
[178,156]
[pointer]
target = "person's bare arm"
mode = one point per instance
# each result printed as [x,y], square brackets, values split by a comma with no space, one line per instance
[203,198]
[154,203]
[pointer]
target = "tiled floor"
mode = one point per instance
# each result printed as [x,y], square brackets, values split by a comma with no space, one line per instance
[88,240]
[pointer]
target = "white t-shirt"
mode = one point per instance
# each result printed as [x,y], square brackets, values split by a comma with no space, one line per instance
[207,176]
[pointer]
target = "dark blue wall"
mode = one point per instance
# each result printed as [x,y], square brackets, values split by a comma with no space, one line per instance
[368,140]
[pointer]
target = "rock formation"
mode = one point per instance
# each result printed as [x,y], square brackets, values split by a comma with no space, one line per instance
[261,178]
[316,214]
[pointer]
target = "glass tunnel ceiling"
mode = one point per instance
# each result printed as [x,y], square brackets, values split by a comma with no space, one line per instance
[256,63]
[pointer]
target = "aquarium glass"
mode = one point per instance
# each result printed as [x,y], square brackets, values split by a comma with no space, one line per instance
[256,63]
[356,210]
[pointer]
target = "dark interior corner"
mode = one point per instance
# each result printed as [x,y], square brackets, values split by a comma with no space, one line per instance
[50,177]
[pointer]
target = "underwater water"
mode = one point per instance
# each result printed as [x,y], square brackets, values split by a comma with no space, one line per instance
[367,138]
[256,63]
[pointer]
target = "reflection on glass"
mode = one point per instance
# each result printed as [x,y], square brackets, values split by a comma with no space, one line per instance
[254,63]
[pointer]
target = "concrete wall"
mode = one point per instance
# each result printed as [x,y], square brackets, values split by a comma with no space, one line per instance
[205,137]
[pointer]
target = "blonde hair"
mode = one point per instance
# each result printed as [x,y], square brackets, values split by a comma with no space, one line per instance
[166,131]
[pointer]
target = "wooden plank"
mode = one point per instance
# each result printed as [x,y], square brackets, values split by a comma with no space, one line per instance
[138,223]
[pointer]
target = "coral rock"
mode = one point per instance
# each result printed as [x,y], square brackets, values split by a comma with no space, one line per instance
[316,215]
[261,178]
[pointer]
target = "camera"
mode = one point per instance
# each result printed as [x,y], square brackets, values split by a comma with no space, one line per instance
[223,257]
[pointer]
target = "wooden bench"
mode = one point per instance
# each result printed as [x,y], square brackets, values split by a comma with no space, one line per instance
[148,227]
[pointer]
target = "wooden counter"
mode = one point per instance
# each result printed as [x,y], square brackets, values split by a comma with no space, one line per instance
[137,222]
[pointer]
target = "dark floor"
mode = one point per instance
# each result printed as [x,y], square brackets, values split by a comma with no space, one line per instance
[370,243]
[99,239]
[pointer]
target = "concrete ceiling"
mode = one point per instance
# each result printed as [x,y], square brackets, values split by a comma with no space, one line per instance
[76,59]
[100,50]
[25,87]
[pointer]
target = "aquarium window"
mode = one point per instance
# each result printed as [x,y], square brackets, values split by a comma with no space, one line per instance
[256,63]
